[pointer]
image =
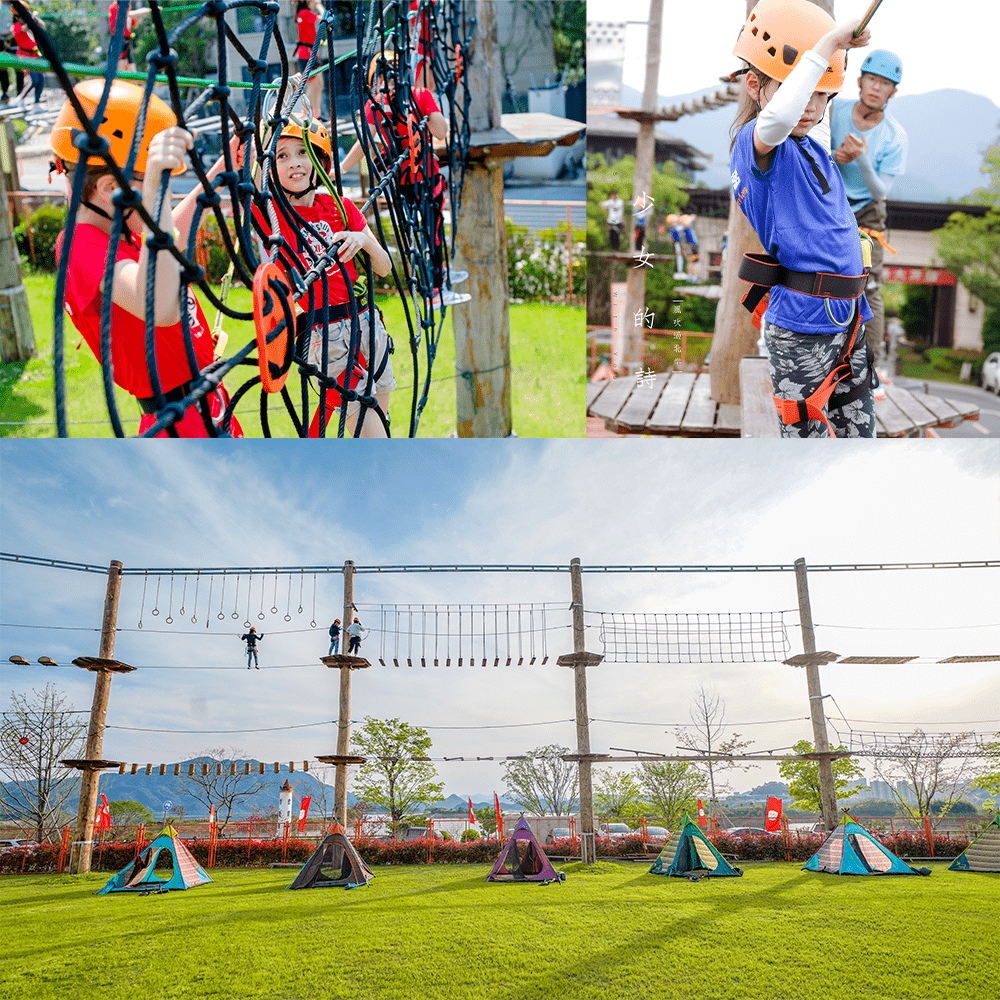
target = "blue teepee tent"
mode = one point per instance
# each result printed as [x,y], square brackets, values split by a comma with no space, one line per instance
[139,875]
[852,850]
[690,854]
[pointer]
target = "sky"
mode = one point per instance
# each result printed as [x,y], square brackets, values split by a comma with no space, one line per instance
[941,45]
[189,505]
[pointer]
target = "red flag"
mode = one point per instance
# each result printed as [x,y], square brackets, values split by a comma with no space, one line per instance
[496,802]
[702,821]
[211,818]
[472,815]
[303,812]
[772,821]
[102,821]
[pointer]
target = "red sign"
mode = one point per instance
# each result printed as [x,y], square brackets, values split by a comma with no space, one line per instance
[919,275]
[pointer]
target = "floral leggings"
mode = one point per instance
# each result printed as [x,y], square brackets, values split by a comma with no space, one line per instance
[799,362]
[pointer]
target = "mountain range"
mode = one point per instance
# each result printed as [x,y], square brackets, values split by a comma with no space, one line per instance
[948,132]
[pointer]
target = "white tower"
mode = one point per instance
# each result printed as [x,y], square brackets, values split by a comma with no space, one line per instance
[284,806]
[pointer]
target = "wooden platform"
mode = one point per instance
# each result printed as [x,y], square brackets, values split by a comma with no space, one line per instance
[680,404]
[533,134]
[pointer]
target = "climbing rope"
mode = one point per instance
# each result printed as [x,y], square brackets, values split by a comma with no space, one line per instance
[428,37]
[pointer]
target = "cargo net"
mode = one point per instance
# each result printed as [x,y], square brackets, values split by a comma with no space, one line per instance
[428,38]
[694,638]
[457,635]
[916,745]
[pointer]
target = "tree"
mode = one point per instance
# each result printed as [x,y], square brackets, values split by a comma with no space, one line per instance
[930,766]
[397,774]
[126,815]
[35,735]
[569,22]
[226,785]
[803,778]
[988,777]
[486,819]
[615,791]
[708,713]
[541,781]
[195,47]
[73,37]
[672,786]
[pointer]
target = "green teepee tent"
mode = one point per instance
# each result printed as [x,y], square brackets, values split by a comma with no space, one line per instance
[983,854]
[690,854]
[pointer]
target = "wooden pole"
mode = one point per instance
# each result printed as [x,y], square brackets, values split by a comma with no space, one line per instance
[344,718]
[17,335]
[588,852]
[645,148]
[98,714]
[827,788]
[482,326]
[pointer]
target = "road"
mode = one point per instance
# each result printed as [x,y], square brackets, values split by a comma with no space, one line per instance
[988,424]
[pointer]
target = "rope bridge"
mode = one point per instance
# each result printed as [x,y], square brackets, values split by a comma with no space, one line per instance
[694,638]
[409,37]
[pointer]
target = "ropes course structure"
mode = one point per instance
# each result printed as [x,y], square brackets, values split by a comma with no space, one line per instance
[742,637]
[291,282]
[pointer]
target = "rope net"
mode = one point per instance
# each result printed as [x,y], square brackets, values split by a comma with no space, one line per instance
[287,261]
[744,637]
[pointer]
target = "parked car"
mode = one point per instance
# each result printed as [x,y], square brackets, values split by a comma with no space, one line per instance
[617,831]
[657,834]
[744,831]
[12,844]
[418,832]
[560,833]
[989,377]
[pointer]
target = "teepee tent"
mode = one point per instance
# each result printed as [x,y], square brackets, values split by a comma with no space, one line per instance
[983,854]
[689,853]
[852,850]
[522,860]
[139,875]
[335,863]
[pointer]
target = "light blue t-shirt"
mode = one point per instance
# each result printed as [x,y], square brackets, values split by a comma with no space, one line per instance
[803,228]
[887,146]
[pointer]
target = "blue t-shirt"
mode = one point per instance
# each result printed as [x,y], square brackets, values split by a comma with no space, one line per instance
[887,144]
[803,228]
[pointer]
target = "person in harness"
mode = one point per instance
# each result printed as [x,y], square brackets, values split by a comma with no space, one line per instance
[334,637]
[788,186]
[251,638]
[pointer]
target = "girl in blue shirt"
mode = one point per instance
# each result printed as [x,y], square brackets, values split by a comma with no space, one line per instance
[791,191]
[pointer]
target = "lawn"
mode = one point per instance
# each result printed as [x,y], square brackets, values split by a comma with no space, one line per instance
[547,394]
[614,933]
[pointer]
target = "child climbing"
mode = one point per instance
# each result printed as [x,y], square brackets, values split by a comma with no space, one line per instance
[162,150]
[334,637]
[251,638]
[420,182]
[331,219]
[791,191]
[355,630]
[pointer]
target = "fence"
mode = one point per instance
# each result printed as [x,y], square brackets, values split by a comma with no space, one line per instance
[569,205]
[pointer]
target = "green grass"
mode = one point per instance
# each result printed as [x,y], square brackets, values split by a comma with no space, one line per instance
[441,931]
[913,365]
[547,395]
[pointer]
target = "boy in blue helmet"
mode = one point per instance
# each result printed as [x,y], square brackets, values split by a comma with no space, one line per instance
[869,146]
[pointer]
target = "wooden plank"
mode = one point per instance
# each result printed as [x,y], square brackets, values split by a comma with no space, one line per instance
[531,134]
[727,420]
[594,389]
[911,406]
[945,414]
[673,402]
[634,414]
[890,420]
[758,417]
[967,411]
[699,418]
[613,398]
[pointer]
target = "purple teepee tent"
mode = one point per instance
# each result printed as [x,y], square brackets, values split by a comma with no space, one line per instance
[522,860]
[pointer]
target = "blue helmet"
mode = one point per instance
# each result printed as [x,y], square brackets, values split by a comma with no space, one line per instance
[884,63]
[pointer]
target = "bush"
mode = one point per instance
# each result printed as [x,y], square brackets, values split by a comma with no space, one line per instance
[46,223]
[537,267]
[468,835]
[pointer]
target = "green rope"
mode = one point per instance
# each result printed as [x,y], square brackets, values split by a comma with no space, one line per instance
[76,69]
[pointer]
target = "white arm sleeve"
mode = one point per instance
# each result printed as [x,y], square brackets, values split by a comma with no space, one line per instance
[783,111]
[877,183]
[821,130]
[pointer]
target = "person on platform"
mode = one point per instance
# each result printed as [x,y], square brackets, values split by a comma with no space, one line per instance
[615,207]
[251,638]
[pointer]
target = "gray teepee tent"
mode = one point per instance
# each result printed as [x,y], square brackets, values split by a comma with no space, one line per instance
[334,863]
[983,854]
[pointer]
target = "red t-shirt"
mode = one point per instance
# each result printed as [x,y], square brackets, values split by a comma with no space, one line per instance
[426,106]
[113,21]
[128,333]
[326,219]
[306,20]
[25,41]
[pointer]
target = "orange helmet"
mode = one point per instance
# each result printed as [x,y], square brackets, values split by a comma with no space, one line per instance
[118,127]
[776,34]
[318,136]
[381,65]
